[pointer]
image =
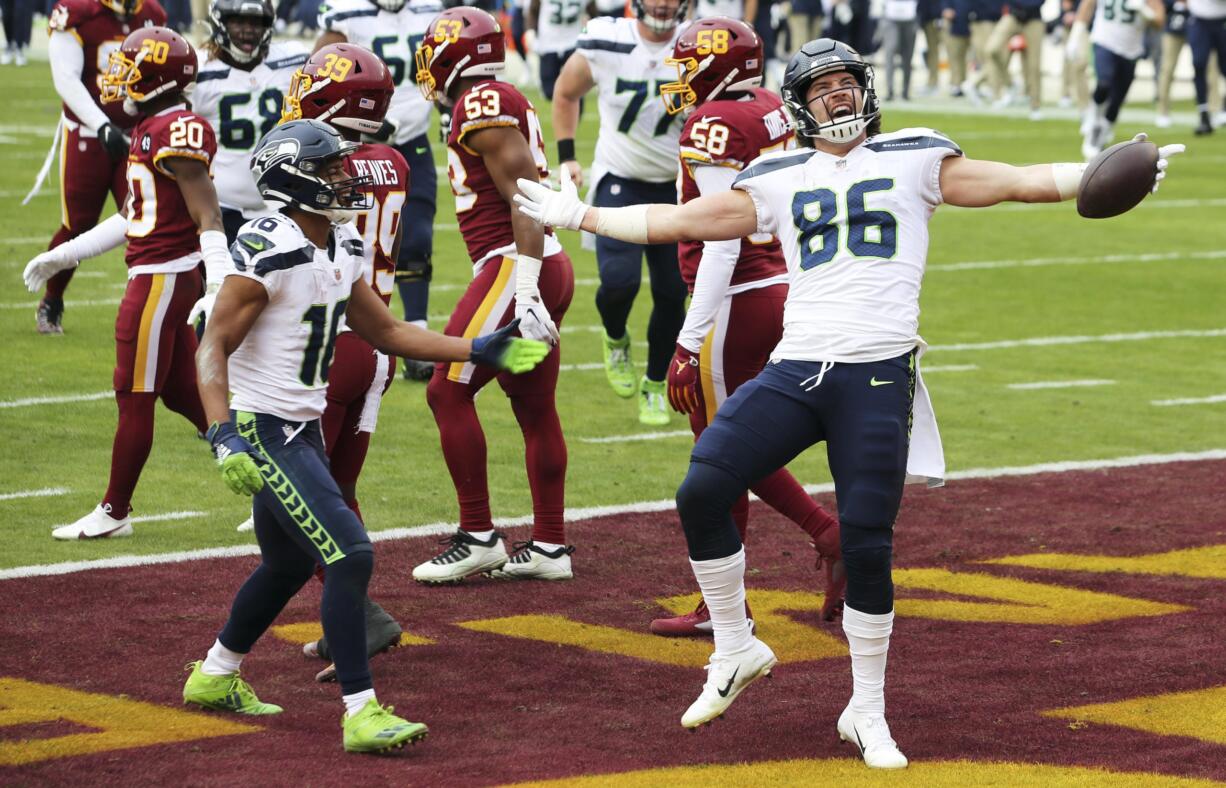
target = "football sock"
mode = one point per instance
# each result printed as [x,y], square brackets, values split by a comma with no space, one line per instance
[544,454]
[482,535]
[868,640]
[221,661]
[342,613]
[357,701]
[722,581]
[463,443]
[133,441]
[548,547]
[663,326]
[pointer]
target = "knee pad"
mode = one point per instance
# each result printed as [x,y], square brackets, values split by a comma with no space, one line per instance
[867,558]
[704,503]
[414,270]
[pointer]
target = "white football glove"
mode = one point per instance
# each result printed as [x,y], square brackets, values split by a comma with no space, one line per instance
[1077,47]
[534,320]
[1165,152]
[543,205]
[204,305]
[45,266]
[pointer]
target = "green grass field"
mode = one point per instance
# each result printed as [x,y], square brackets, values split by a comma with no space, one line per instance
[1040,272]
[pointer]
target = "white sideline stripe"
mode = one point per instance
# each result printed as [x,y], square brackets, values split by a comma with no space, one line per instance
[1058,384]
[67,304]
[949,368]
[580,367]
[573,515]
[980,265]
[22,403]
[45,492]
[1138,336]
[1190,401]
[637,436]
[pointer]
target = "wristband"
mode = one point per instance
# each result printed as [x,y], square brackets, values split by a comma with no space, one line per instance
[566,150]
[527,277]
[216,253]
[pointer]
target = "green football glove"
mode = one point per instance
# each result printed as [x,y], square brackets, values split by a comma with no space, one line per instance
[503,351]
[239,460]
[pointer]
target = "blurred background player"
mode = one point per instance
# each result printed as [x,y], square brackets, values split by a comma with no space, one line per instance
[350,88]
[172,220]
[932,23]
[899,24]
[737,287]
[392,29]
[555,26]
[18,28]
[635,162]
[957,29]
[1024,18]
[1174,35]
[521,272]
[305,260]
[1118,42]
[92,136]
[982,16]
[1206,38]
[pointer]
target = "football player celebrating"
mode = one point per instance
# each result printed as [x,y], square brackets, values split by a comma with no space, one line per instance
[94,144]
[1118,39]
[520,272]
[293,269]
[392,30]
[350,88]
[636,161]
[737,287]
[851,210]
[172,219]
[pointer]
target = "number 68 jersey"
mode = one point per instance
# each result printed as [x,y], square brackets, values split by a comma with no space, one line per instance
[854,233]
[281,368]
[162,236]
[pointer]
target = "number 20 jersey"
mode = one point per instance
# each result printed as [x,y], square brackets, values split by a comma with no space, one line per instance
[281,368]
[243,106]
[854,233]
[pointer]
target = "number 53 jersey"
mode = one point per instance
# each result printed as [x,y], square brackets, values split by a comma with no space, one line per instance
[281,368]
[854,233]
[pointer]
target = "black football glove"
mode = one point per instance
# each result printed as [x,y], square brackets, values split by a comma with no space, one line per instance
[114,141]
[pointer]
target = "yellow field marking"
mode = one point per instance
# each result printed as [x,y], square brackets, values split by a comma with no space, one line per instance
[1199,714]
[307,631]
[593,637]
[1017,601]
[1204,562]
[851,771]
[120,722]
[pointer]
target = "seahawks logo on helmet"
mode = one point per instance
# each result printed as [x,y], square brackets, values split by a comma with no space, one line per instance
[281,152]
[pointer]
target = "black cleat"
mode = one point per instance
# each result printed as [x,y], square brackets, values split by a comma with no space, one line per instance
[382,634]
[50,316]
[417,371]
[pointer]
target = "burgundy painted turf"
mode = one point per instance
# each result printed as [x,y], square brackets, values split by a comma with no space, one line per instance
[502,709]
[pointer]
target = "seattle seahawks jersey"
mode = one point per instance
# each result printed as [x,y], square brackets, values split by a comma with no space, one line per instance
[281,367]
[854,232]
[638,139]
[558,25]
[394,38]
[733,9]
[1119,29]
[1207,9]
[242,106]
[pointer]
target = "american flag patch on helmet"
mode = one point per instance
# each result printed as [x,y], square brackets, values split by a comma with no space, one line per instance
[365,103]
[484,49]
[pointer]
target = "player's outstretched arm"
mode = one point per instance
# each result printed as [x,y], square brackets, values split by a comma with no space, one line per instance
[103,237]
[572,84]
[716,217]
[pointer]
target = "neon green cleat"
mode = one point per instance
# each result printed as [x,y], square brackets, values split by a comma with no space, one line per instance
[618,367]
[224,693]
[375,728]
[653,403]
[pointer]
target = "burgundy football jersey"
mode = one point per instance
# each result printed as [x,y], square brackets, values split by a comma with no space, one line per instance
[485,218]
[160,229]
[100,33]
[732,133]
[390,173]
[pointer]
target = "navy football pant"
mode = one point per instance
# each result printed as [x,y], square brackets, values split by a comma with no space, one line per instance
[861,411]
[1113,77]
[302,521]
[621,272]
[414,267]
[1206,36]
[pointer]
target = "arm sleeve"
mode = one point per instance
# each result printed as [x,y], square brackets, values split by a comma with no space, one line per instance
[714,270]
[67,63]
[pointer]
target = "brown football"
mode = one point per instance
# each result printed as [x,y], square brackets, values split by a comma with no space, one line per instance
[1117,179]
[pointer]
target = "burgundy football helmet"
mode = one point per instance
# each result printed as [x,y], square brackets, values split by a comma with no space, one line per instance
[341,84]
[151,62]
[713,56]
[460,42]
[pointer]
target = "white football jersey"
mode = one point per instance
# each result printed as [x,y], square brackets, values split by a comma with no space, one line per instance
[734,9]
[394,38]
[242,106]
[558,25]
[638,139]
[1207,9]
[854,233]
[1118,29]
[281,368]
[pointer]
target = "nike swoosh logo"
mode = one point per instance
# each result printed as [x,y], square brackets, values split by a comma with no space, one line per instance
[859,741]
[420,151]
[874,382]
[728,687]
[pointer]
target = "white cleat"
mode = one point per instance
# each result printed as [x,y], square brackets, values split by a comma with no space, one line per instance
[530,562]
[1163,121]
[871,734]
[246,525]
[727,677]
[98,524]
[464,556]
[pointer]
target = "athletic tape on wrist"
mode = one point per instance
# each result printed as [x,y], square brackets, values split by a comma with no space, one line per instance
[625,224]
[1067,176]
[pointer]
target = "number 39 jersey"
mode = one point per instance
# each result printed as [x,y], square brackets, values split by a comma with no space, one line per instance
[162,236]
[731,133]
[484,216]
[854,233]
[243,106]
[390,174]
[281,368]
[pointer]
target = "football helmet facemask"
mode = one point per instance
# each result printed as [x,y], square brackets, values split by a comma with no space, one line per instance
[713,56]
[813,60]
[151,62]
[344,85]
[460,42]
[660,24]
[248,49]
[294,165]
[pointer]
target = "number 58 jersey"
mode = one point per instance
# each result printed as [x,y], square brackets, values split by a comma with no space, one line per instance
[854,233]
[281,368]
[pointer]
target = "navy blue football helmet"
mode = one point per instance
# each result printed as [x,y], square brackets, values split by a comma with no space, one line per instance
[289,165]
[220,11]
[814,59]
